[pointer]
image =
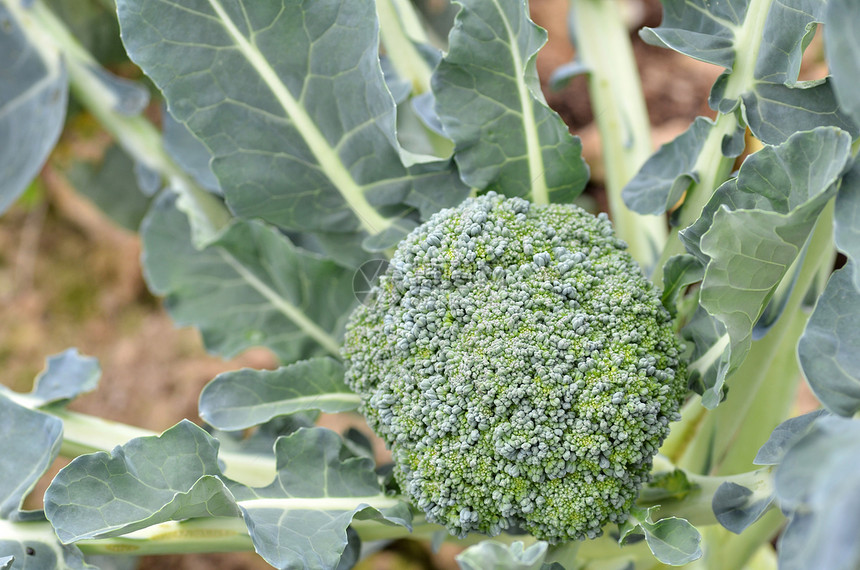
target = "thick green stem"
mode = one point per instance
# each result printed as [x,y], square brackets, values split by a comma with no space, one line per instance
[713,171]
[724,549]
[183,537]
[227,535]
[683,433]
[399,30]
[713,168]
[603,46]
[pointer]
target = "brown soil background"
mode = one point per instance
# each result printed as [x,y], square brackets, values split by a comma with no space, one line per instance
[69,277]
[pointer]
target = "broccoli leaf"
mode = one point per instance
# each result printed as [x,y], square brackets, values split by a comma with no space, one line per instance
[189,153]
[30,443]
[762,44]
[846,219]
[33,545]
[669,172]
[111,186]
[299,520]
[679,272]
[290,100]
[66,376]
[775,111]
[772,452]
[33,94]
[260,289]
[245,398]
[819,490]
[673,541]
[170,477]
[843,53]
[699,29]
[829,349]
[33,438]
[507,139]
[737,506]
[755,226]
[499,556]
[709,361]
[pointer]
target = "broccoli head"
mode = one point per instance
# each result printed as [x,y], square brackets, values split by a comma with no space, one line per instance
[519,366]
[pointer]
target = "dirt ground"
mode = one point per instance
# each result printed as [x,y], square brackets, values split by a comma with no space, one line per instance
[69,277]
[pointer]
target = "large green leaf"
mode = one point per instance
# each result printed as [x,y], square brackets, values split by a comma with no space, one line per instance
[290,100]
[843,52]
[762,43]
[30,442]
[111,185]
[245,398]
[144,482]
[818,486]
[669,172]
[846,219]
[679,272]
[299,521]
[251,287]
[189,153]
[754,227]
[711,356]
[736,507]
[781,439]
[33,94]
[829,349]
[776,111]
[34,546]
[672,541]
[489,101]
[700,29]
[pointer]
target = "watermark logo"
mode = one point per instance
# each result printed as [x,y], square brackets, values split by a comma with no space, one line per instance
[366,278]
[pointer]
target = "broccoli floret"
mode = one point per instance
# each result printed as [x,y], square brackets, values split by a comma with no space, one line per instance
[519,366]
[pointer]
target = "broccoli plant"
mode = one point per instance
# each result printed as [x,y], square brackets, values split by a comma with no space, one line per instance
[381,197]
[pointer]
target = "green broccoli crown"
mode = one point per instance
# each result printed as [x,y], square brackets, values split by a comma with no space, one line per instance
[520,367]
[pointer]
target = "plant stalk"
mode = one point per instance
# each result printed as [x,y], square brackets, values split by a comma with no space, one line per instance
[712,172]
[399,29]
[603,46]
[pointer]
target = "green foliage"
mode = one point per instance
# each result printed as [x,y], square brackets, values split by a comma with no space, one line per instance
[521,368]
[673,541]
[33,97]
[246,398]
[507,138]
[491,554]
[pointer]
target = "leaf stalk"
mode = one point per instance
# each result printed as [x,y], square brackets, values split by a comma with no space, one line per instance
[621,116]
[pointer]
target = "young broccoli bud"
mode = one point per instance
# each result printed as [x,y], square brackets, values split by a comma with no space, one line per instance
[520,367]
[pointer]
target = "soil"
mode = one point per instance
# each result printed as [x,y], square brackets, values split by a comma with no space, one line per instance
[69,277]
